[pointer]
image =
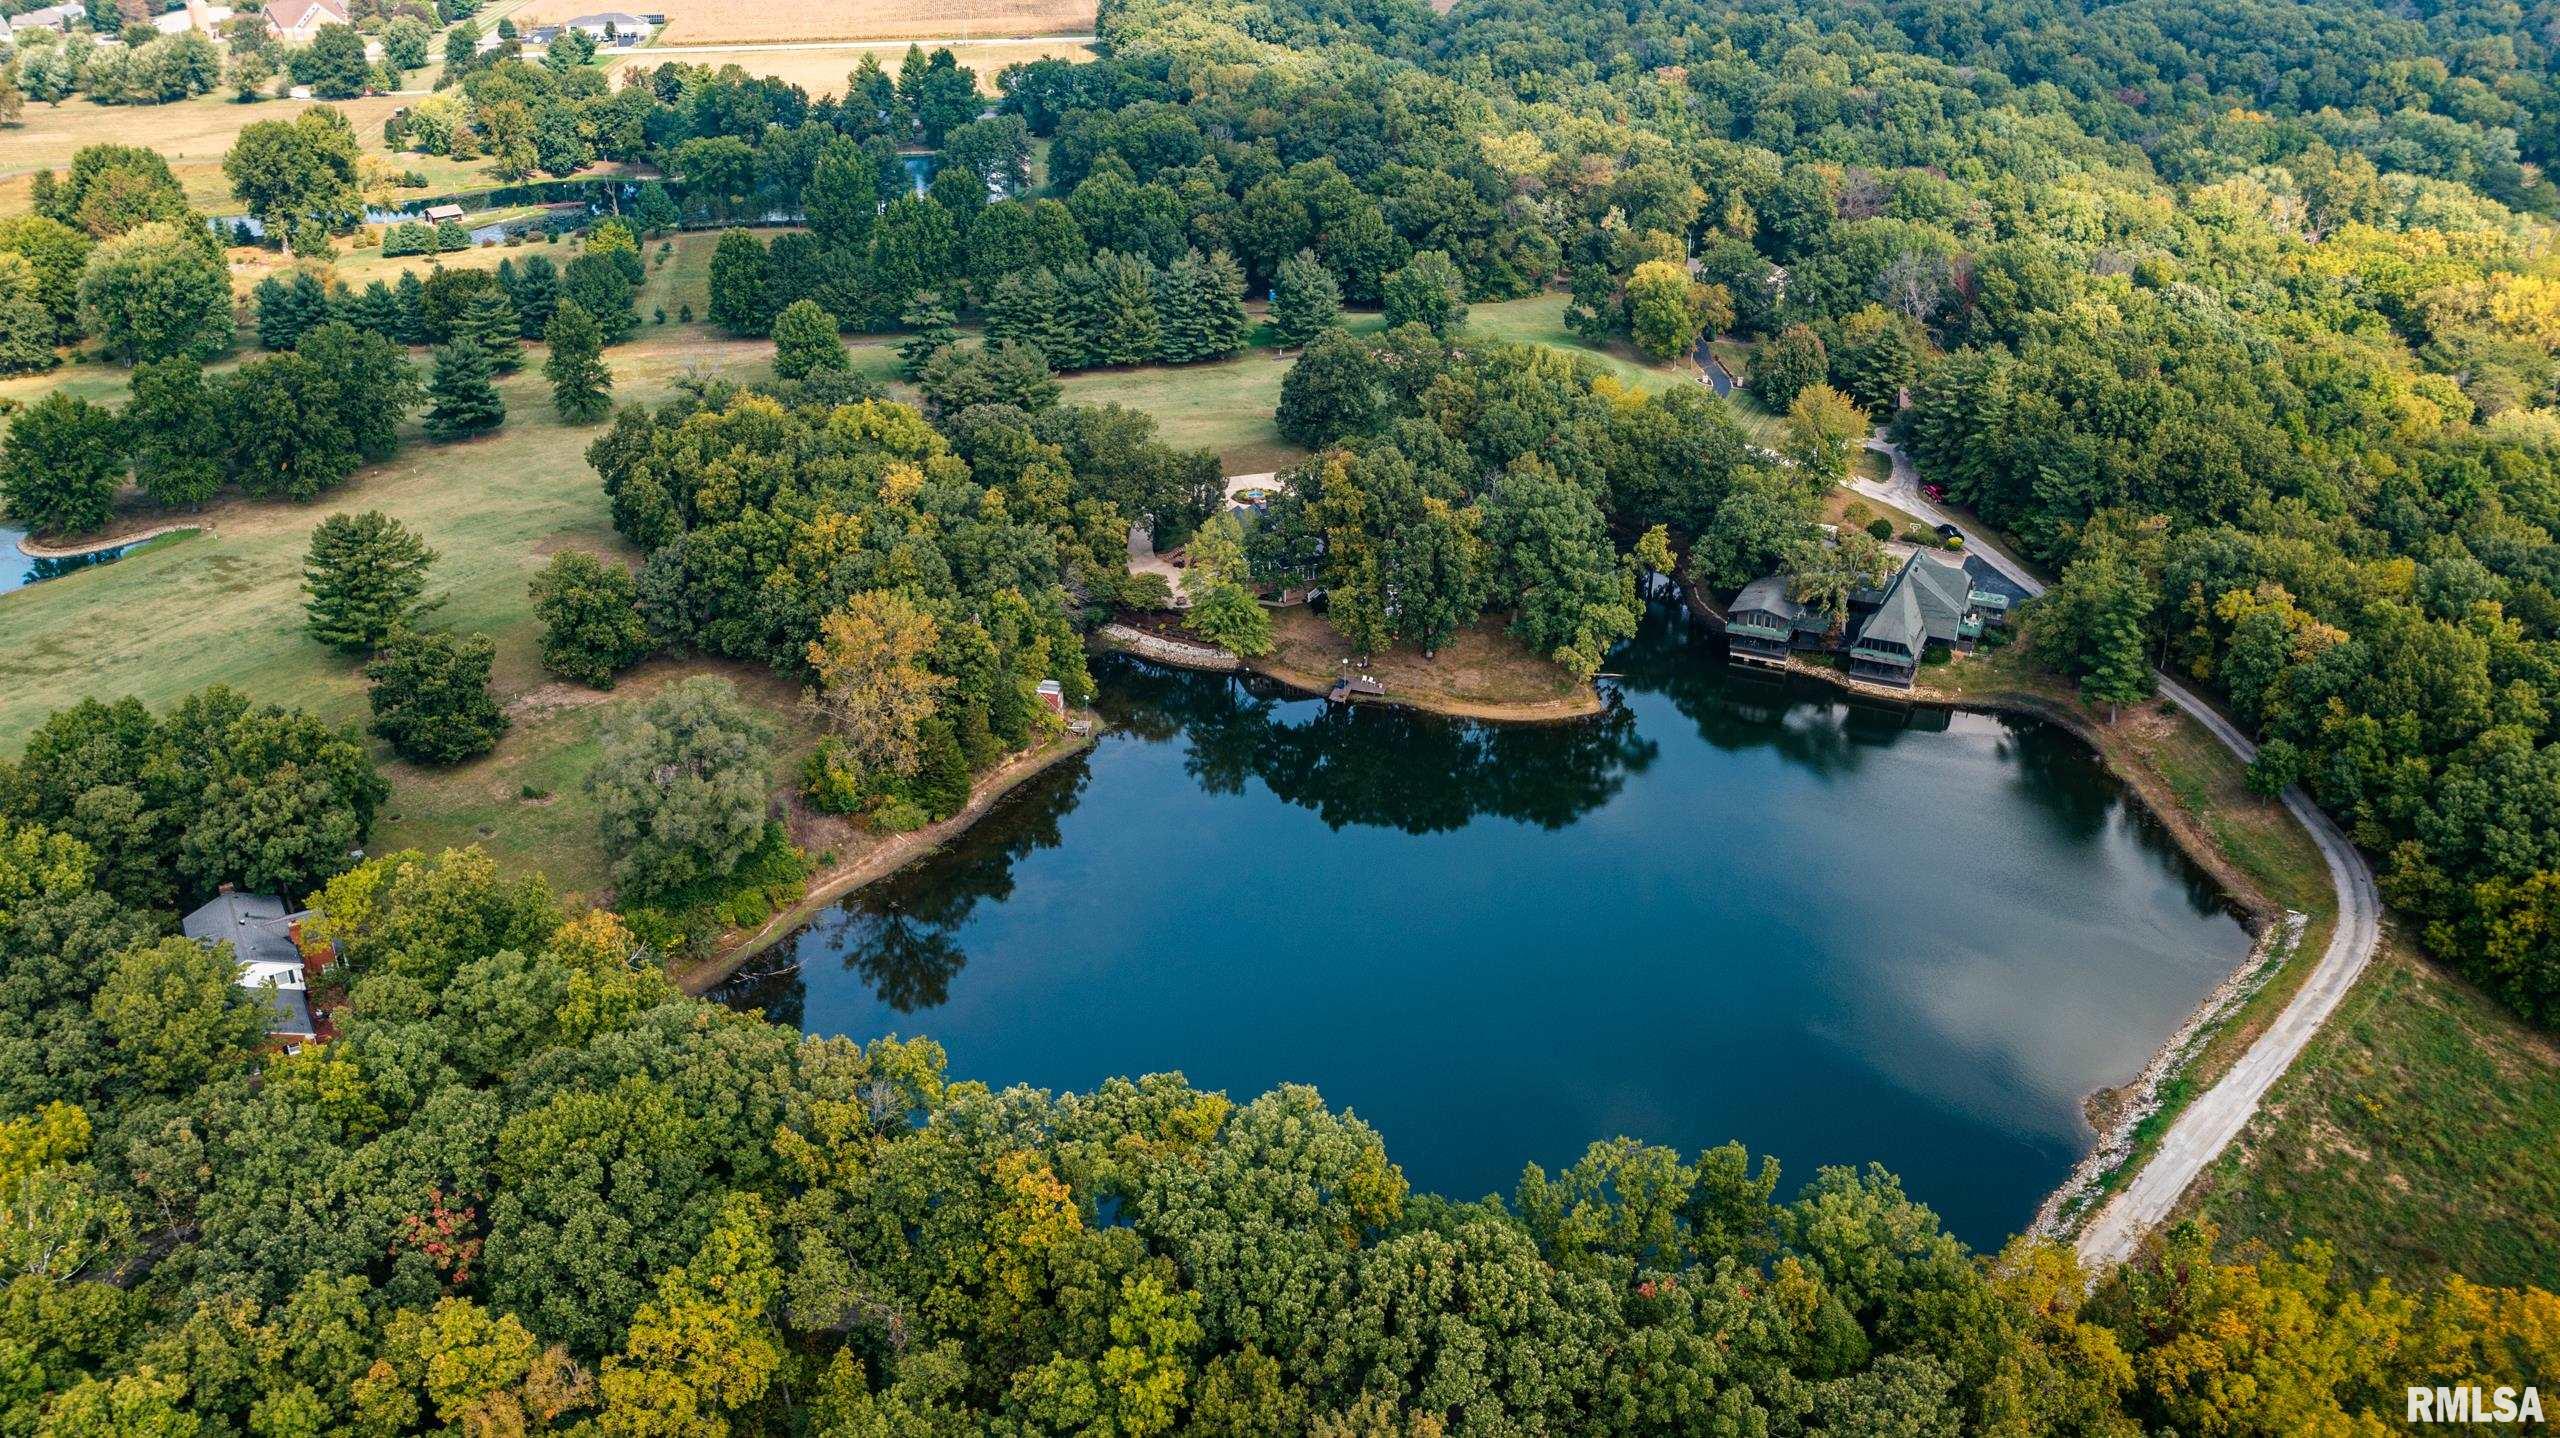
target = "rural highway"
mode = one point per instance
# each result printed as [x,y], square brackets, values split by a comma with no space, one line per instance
[2216,1116]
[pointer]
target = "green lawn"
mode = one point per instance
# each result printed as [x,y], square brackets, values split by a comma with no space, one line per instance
[227,606]
[1224,406]
[1539,319]
[2418,1135]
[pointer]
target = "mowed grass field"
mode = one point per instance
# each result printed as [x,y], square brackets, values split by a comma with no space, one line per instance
[192,135]
[704,22]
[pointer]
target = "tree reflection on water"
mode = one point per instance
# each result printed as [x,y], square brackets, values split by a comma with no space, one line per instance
[1370,766]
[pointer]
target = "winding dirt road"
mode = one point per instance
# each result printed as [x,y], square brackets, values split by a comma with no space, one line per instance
[2215,1117]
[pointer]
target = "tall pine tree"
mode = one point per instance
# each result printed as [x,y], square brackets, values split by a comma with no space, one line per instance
[465,403]
[1223,325]
[1181,331]
[1305,300]
[1031,308]
[489,321]
[412,298]
[581,386]
[534,289]
[1115,307]
[376,311]
[739,282]
[366,575]
[934,326]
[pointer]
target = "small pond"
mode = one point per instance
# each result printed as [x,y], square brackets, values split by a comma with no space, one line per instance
[18,569]
[1731,908]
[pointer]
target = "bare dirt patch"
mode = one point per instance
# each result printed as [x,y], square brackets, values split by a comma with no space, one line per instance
[1482,673]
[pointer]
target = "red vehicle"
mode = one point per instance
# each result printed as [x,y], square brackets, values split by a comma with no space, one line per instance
[1933,492]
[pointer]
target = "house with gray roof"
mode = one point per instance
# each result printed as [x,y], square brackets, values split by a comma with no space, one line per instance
[1763,624]
[1925,602]
[1889,627]
[265,940]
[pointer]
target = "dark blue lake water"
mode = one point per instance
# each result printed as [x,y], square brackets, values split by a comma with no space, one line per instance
[1732,908]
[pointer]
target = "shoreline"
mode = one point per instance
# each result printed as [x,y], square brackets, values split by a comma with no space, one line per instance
[2117,1113]
[2251,903]
[892,853]
[33,550]
[1156,648]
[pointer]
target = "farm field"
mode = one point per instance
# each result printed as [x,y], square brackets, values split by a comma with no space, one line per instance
[701,22]
[821,69]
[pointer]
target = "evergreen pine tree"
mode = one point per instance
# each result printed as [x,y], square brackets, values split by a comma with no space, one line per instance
[1009,313]
[599,285]
[1176,292]
[2118,672]
[1031,308]
[411,295]
[942,776]
[1223,325]
[365,575]
[488,321]
[1116,310]
[534,289]
[581,386]
[1305,300]
[934,326]
[289,309]
[465,402]
[376,311]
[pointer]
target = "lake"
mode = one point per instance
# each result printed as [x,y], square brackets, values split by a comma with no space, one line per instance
[1733,907]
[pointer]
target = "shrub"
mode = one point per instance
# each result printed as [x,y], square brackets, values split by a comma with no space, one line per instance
[1880,527]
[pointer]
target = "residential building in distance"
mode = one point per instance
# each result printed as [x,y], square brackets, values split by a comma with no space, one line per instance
[297,22]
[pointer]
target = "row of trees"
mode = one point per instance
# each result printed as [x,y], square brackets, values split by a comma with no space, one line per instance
[288,425]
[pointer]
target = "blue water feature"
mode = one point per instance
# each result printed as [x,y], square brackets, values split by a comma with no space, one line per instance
[18,570]
[1732,907]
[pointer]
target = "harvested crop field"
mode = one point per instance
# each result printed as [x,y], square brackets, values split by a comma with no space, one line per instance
[704,22]
[821,69]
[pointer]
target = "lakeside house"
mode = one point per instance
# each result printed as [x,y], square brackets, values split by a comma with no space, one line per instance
[1925,602]
[298,22]
[198,16]
[1763,624]
[266,942]
[1889,629]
